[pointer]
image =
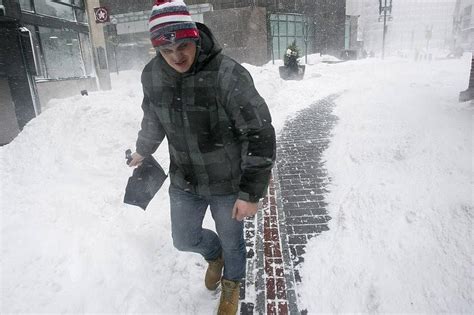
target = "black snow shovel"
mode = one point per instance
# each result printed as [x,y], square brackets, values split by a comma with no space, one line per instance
[144,183]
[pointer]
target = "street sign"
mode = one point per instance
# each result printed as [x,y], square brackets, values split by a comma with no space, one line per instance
[101,15]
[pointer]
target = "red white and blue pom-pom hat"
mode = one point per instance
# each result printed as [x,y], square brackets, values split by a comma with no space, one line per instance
[170,23]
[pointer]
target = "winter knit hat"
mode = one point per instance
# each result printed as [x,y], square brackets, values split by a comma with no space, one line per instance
[170,22]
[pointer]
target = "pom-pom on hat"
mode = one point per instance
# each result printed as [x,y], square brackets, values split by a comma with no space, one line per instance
[170,23]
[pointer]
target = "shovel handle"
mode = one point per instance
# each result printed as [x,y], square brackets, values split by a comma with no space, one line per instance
[128,156]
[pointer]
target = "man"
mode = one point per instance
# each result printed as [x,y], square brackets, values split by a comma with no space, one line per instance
[221,142]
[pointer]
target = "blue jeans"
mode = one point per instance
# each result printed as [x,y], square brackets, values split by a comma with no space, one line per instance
[187,214]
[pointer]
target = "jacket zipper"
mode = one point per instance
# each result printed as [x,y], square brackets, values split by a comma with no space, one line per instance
[184,118]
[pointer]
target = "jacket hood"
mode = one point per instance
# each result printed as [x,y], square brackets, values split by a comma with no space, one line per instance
[208,47]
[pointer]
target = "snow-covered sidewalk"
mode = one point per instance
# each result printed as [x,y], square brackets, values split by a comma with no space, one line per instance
[400,164]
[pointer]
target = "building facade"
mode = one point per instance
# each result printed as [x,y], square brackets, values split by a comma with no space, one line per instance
[50,48]
[45,52]
[413,25]
[249,31]
[463,25]
[317,26]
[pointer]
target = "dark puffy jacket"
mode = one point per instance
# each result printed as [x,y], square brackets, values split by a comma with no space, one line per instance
[218,127]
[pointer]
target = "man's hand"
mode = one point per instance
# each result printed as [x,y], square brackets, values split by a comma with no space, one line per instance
[136,160]
[243,209]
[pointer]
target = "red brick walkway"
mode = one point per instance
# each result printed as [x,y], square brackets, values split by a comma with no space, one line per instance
[293,212]
[277,302]
[269,286]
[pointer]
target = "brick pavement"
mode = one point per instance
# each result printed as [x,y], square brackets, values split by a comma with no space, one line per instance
[302,176]
[293,212]
[269,287]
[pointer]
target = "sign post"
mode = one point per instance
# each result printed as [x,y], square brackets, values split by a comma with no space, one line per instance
[97,17]
[386,9]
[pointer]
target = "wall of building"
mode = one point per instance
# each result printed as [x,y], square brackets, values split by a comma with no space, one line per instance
[17,72]
[351,33]
[241,32]
[463,25]
[48,90]
[329,19]
[127,6]
[325,19]
[408,25]
[46,52]
[9,128]
[61,46]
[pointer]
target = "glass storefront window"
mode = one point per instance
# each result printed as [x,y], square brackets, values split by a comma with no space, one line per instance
[48,7]
[291,29]
[87,54]
[81,16]
[299,29]
[276,47]
[284,29]
[62,53]
[40,65]
[80,13]
[26,5]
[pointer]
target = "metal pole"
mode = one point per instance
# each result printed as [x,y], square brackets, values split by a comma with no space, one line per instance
[271,44]
[384,28]
[115,58]
[97,38]
[306,28]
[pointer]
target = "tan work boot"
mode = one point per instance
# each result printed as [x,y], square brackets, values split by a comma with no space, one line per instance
[229,302]
[214,273]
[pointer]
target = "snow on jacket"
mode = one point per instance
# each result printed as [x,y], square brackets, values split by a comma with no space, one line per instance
[219,130]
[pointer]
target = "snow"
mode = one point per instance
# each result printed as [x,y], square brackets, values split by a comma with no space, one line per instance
[401,197]
[400,163]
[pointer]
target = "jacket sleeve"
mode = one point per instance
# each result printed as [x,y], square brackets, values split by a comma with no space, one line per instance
[152,133]
[253,124]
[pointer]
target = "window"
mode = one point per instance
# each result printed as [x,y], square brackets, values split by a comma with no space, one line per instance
[39,60]
[62,53]
[284,29]
[80,11]
[72,10]
[26,5]
[86,50]
[466,17]
[48,7]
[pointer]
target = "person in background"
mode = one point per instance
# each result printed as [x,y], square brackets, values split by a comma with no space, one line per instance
[220,138]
